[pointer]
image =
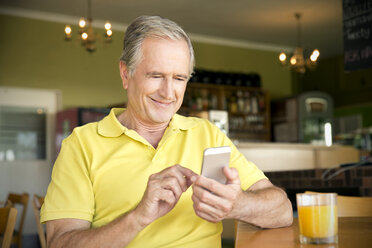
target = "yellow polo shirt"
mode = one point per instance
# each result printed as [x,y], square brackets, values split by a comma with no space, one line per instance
[103,169]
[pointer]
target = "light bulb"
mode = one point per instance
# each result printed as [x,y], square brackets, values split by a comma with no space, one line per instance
[313,57]
[68,30]
[316,53]
[109,32]
[107,25]
[82,23]
[282,57]
[293,60]
[84,36]
[40,111]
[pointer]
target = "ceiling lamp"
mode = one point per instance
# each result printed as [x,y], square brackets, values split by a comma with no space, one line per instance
[86,32]
[297,62]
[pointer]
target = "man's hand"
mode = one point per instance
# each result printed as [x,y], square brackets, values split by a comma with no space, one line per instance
[163,191]
[262,205]
[214,201]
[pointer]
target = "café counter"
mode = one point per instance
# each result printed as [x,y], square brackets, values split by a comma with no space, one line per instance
[271,157]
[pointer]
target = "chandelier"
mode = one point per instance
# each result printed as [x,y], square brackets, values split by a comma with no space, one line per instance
[86,33]
[297,62]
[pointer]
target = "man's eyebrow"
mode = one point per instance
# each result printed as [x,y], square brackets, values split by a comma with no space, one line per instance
[151,73]
[156,73]
[182,76]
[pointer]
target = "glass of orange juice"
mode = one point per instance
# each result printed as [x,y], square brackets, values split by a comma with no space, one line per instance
[317,216]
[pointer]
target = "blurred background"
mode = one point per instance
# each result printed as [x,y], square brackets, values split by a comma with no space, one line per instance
[276,76]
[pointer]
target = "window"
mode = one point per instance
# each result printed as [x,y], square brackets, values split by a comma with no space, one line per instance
[22,133]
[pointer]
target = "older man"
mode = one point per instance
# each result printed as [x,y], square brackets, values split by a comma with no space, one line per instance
[125,181]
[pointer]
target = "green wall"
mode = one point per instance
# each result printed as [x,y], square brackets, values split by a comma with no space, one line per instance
[351,91]
[33,53]
[364,109]
[275,79]
[347,88]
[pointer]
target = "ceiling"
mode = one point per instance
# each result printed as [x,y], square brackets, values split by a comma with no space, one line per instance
[266,24]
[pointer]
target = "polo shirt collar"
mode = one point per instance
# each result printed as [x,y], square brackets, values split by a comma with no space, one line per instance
[180,122]
[111,127]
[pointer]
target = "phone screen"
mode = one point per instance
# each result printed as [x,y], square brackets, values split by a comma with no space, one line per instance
[214,159]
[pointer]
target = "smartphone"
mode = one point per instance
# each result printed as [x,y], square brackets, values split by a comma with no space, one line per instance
[214,159]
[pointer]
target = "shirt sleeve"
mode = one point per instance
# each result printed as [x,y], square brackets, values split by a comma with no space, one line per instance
[70,192]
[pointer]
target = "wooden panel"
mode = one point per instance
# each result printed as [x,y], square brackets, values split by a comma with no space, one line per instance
[278,159]
[334,156]
[228,229]
[284,156]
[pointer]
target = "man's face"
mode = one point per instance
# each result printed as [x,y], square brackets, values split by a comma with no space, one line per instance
[156,89]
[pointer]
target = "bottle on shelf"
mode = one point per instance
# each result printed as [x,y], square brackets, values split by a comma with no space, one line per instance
[247,106]
[233,106]
[198,101]
[213,101]
[204,99]
[254,104]
[240,101]
[261,102]
[247,102]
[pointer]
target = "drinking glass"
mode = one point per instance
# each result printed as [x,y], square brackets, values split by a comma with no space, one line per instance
[317,216]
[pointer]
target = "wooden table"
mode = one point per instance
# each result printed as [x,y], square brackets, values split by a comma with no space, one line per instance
[353,232]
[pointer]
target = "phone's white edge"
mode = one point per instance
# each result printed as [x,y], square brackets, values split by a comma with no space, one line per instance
[217,150]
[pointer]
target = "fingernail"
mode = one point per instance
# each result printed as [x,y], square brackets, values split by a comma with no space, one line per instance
[193,179]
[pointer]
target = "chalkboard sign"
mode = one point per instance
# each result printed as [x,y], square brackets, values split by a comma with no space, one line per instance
[357,19]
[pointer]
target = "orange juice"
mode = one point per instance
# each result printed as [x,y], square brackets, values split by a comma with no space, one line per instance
[318,221]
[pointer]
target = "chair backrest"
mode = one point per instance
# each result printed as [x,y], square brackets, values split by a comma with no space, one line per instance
[37,202]
[352,206]
[8,217]
[20,199]
[8,203]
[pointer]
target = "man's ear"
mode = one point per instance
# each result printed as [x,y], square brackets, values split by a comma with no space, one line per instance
[124,74]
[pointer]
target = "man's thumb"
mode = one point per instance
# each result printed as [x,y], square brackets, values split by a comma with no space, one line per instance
[232,175]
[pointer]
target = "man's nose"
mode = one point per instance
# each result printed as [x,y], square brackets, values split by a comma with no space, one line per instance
[167,90]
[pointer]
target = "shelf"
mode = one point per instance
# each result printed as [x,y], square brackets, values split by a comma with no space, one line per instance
[243,114]
[248,136]
[226,87]
[252,124]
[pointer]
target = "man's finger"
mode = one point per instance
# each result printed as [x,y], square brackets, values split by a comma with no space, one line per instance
[172,184]
[187,173]
[205,207]
[211,185]
[206,216]
[208,197]
[182,174]
[232,175]
[167,196]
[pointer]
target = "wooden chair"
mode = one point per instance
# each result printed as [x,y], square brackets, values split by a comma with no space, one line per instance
[8,203]
[228,233]
[37,202]
[353,206]
[7,222]
[19,200]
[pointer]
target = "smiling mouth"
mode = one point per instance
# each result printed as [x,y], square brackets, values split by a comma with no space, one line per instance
[163,104]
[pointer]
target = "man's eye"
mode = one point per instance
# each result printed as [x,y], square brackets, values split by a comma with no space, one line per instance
[180,79]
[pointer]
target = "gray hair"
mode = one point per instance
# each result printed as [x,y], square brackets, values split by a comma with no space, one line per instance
[151,26]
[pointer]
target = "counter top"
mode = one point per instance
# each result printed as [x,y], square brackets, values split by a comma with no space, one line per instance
[290,156]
